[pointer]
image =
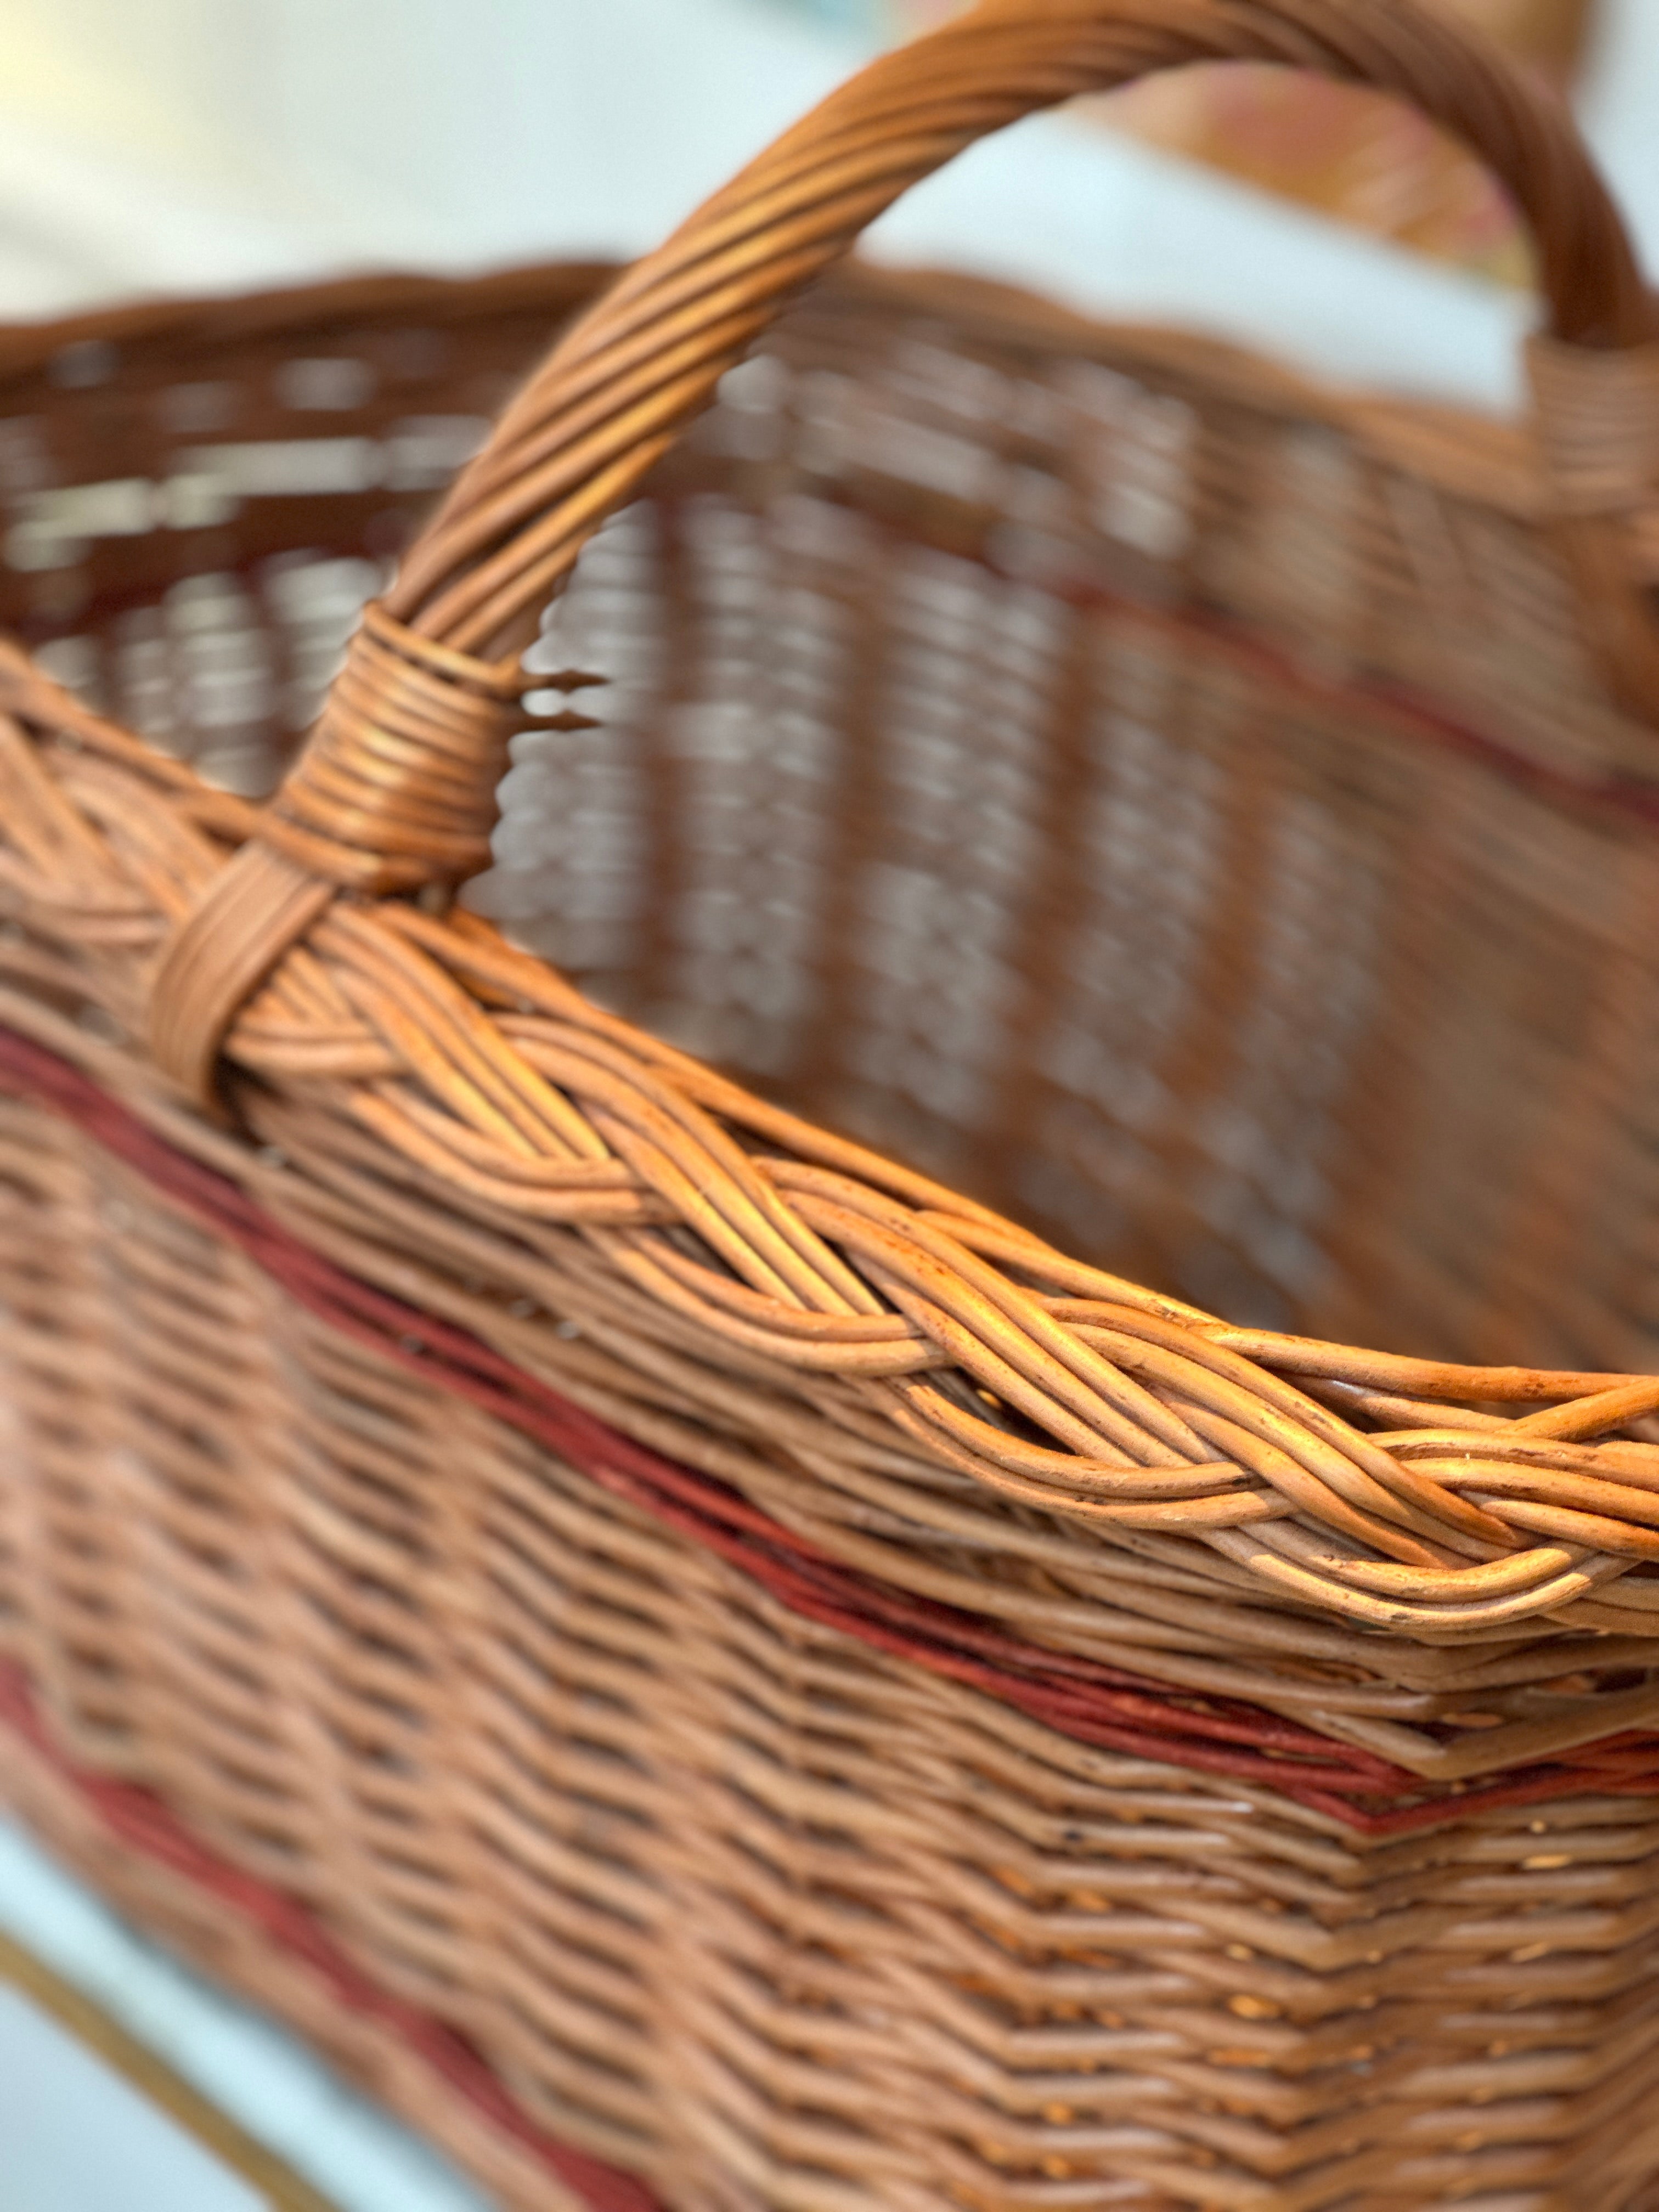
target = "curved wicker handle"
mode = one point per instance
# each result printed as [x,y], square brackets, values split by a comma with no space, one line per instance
[396,789]
[647,356]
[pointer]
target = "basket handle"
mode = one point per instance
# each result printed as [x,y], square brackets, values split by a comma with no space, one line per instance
[395,790]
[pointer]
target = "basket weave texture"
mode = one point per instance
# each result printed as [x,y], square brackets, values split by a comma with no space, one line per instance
[758,1667]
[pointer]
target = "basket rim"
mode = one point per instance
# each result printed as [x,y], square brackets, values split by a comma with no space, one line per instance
[836,1261]
[237,314]
[831,1262]
[1486,455]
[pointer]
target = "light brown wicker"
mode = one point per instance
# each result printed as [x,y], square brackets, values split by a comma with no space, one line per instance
[728,1667]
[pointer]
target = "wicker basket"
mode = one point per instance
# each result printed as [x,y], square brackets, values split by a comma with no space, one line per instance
[713,1670]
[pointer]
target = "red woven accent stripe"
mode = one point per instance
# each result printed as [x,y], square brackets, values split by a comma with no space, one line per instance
[1108,1707]
[1364,695]
[1252,650]
[141,1823]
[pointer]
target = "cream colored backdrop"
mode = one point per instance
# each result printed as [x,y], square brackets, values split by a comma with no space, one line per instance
[159,144]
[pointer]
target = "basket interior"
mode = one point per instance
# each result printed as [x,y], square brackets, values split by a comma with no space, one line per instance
[1111,787]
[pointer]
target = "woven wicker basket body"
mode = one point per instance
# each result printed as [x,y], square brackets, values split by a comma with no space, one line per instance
[724,1665]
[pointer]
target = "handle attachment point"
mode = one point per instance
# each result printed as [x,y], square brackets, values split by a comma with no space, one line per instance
[1597,417]
[395,792]
[396,789]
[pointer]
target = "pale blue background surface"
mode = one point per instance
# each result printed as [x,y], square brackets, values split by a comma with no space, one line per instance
[75,2138]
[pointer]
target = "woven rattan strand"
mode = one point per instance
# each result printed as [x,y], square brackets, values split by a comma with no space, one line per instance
[1068,810]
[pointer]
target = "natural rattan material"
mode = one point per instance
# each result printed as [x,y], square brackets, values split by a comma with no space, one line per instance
[841,1695]
[770,1906]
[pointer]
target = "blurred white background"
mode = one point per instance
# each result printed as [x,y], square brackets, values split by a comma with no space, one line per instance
[191,144]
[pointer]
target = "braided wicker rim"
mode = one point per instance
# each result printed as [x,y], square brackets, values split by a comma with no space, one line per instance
[1102,1705]
[1057,1386]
